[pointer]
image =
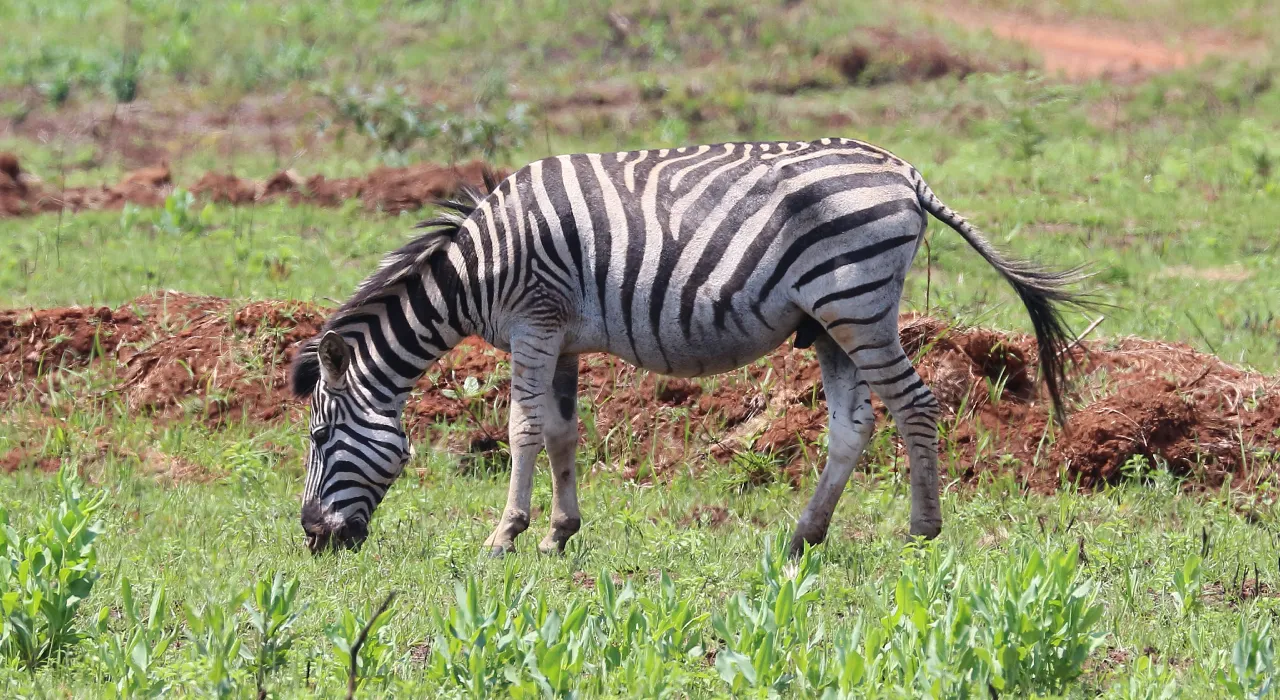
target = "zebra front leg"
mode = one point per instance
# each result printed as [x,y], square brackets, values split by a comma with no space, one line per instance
[850,422]
[533,364]
[561,435]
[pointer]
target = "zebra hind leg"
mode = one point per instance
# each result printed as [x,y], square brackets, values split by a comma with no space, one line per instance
[873,345]
[915,412]
[850,422]
[560,432]
[533,365]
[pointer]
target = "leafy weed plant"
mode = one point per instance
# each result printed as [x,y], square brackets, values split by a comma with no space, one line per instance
[45,576]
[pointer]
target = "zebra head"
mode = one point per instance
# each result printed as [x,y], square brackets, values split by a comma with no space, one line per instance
[355,450]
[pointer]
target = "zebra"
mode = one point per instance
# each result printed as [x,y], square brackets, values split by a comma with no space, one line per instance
[684,261]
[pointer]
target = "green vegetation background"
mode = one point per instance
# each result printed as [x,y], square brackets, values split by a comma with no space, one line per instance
[1167,187]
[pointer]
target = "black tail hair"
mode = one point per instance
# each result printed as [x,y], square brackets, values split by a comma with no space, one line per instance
[1043,291]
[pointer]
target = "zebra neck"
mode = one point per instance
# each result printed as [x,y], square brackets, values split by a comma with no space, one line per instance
[395,338]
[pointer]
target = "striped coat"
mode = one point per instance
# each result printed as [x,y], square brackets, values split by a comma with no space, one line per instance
[685,261]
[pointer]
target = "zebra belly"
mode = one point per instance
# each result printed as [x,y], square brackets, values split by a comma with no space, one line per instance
[705,351]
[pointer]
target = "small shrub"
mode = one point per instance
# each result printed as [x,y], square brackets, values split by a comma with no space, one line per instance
[1188,584]
[1251,670]
[45,576]
[1148,681]
[131,658]
[393,121]
[765,634]
[1030,111]
[177,53]
[385,116]
[491,135]
[1028,632]
[180,215]
[748,469]
[123,77]
[1136,467]
[377,656]
[1039,619]
[57,90]
[272,611]
[926,646]
[517,644]
[215,650]
[514,645]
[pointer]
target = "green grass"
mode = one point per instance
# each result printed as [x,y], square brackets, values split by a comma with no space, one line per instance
[1244,16]
[1179,197]
[224,52]
[204,542]
[1169,189]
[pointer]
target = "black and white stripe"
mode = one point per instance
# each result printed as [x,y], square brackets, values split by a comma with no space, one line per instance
[686,261]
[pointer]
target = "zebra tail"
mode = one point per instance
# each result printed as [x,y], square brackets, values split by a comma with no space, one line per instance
[1044,291]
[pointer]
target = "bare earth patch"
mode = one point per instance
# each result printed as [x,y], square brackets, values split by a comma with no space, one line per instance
[1087,49]
[147,131]
[390,190]
[216,360]
[885,55]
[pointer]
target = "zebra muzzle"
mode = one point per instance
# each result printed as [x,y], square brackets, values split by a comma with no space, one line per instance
[324,532]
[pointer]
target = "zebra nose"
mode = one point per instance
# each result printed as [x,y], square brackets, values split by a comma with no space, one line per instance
[316,526]
[345,536]
[317,543]
[326,531]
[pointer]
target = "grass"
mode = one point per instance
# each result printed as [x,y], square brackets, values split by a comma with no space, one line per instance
[1178,196]
[1168,188]
[270,46]
[203,542]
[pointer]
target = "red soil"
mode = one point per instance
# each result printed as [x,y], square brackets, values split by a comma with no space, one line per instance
[14,460]
[178,354]
[391,190]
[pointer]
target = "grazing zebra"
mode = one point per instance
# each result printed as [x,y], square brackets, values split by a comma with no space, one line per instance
[684,261]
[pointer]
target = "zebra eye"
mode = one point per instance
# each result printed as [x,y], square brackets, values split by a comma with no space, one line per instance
[320,435]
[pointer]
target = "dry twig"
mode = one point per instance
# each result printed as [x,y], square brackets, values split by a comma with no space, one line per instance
[354,673]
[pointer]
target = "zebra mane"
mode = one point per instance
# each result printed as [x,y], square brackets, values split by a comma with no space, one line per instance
[440,231]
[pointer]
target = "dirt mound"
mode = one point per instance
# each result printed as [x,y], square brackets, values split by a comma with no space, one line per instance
[172,348]
[884,55]
[9,166]
[1087,49]
[1138,405]
[225,188]
[226,361]
[13,185]
[33,342]
[391,190]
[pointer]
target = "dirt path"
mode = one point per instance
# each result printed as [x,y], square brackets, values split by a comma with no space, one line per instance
[1087,49]
[177,355]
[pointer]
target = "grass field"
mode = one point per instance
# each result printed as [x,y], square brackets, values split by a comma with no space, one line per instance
[151,552]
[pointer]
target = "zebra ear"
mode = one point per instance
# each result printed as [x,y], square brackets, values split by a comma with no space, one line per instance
[305,371]
[335,358]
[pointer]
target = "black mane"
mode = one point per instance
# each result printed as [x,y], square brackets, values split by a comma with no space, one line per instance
[411,257]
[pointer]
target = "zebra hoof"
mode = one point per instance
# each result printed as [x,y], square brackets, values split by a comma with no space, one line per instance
[498,551]
[927,530]
[551,547]
[798,542]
